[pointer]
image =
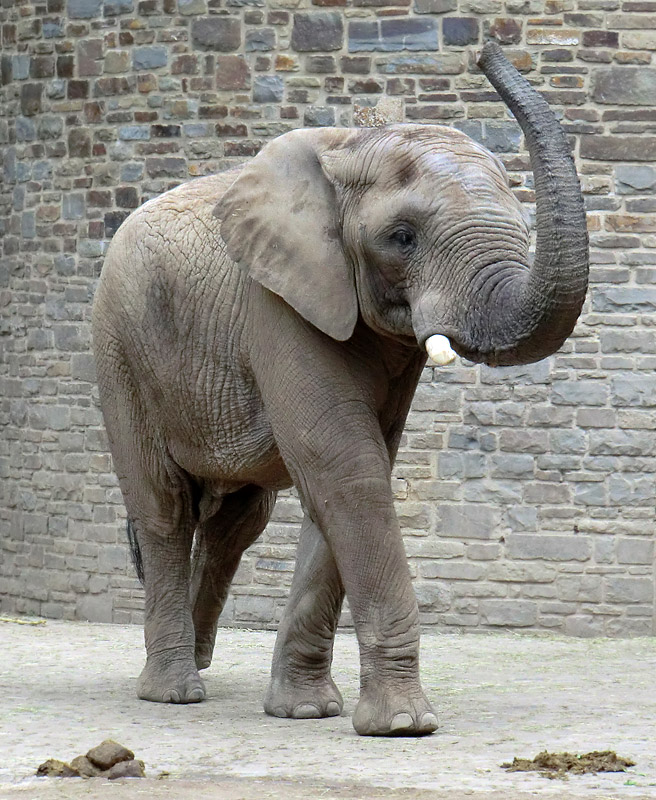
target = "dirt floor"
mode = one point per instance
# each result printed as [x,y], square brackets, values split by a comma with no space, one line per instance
[67,686]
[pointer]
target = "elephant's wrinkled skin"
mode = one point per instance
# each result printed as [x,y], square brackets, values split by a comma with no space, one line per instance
[265,327]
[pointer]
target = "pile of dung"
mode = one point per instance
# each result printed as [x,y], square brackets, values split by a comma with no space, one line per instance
[109,760]
[558,765]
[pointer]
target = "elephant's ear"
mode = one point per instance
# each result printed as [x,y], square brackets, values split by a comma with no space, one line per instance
[280,223]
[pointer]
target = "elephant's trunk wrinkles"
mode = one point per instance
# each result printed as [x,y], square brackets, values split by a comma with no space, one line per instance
[530,313]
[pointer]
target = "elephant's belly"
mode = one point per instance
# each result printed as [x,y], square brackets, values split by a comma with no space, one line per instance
[228,459]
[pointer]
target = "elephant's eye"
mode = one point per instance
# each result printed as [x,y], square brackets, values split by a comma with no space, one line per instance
[404,238]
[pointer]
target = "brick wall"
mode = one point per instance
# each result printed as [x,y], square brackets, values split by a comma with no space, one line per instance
[526,495]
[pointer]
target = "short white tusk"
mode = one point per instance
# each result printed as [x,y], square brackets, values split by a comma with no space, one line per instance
[439,349]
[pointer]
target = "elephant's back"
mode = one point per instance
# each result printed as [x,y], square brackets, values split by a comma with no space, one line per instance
[163,254]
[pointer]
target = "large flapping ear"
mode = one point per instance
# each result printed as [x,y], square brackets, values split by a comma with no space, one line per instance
[280,223]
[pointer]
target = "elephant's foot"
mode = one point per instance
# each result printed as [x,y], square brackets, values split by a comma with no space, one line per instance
[310,699]
[393,711]
[170,681]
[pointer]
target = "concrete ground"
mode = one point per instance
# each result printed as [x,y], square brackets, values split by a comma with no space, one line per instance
[64,687]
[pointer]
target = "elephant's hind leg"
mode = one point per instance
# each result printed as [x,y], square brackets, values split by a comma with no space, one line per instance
[160,501]
[301,684]
[220,543]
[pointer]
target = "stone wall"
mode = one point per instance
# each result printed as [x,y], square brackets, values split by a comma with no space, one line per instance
[526,495]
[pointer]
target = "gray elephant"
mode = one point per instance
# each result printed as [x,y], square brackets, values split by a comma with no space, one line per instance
[267,326]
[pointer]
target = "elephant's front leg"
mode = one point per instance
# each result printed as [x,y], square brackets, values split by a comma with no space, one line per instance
[341,467]
[301,685]
[373,565]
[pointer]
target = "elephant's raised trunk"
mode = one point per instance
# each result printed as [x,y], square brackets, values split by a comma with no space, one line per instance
[533,312]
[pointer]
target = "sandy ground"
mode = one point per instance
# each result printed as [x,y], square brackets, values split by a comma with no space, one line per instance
[67,686]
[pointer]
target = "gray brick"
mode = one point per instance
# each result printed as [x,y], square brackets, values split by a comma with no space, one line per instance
[134,132]
[83,9]
[580,588]
[73,206]
[469,521]
[634,390]
[623,443]
[510,613]
[432,596]
[94,608]
[635,551]
[580,393]
[509,572]
[453,571]
[149,57]
[630,86]
[254,609]
[318,116]
[628,590]
[635,178]
[549,547]
[317,31]
[268,89]
[624,300]
[624,490]
[512,466]
[222,34]
[522,518]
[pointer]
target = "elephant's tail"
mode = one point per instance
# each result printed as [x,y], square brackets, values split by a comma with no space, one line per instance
[135,550]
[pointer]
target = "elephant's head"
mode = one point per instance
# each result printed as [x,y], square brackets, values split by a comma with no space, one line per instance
[414,227]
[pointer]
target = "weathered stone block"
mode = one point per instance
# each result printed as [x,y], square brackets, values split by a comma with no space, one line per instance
[469,521]
[31,94]
[511,613]
[435,6]
[73,206]
[580,393]
[460,31]
[635,551]
[232,72]
[254,609]
[628,489]
[393,35]
[432,596]
[634,390]
[318,116]
[117,61]
[549,547]
[132,133]
[79,143]
[619,589]
[83,9]
[260,40]
[114,219]
[505,30]
[189,8]
[624,86]
[268,89]
[112,8]
[317,31]
[624,299]
[149,57]
[222,34]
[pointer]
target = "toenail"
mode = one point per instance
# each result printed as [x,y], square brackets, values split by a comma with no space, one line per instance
[401,722]
[306,711]
[333,709]
[429,720]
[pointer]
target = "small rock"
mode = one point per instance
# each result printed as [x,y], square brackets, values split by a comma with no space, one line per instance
[84,767]
[109,753]
[126,769]
[52,768]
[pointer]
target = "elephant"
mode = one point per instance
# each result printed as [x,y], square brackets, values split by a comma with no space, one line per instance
[266,327]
